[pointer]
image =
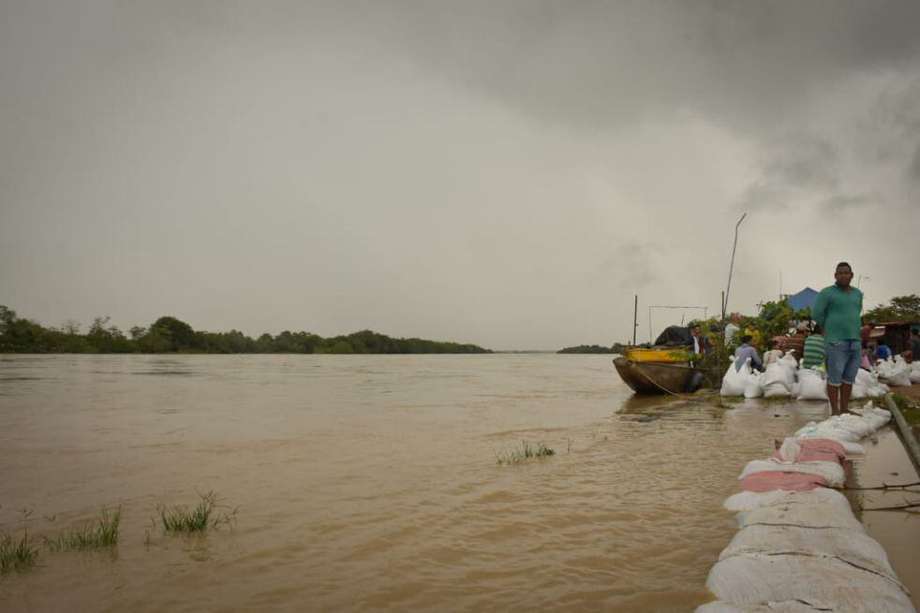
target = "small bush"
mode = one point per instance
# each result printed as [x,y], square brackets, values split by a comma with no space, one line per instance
[199,519]
[16,555]
[526,452]
[103,534]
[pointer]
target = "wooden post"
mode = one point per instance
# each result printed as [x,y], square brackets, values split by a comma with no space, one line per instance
[635,318]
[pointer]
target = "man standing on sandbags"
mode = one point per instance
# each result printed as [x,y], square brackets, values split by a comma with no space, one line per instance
[837,310]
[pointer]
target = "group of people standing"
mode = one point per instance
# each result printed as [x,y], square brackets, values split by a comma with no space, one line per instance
[836,341]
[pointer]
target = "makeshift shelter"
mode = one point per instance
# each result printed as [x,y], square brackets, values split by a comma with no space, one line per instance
[895,334]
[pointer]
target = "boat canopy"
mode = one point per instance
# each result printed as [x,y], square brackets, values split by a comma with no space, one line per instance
[674,336]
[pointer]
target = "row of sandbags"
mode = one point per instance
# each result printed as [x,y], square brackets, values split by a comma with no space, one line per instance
[799,546]
[897,372]
[812,385]
[783,376]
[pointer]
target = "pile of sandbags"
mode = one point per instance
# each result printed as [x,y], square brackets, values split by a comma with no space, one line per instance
[804,551]
[777,380]
[799,547]
[740,382]
[867,385]
[896,372]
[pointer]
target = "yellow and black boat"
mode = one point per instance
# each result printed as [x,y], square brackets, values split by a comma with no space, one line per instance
[658,370]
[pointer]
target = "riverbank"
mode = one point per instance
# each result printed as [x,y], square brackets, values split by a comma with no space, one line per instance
[898,532]
[885,463]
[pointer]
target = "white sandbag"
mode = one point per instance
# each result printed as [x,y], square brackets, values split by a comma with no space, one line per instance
[885,368]
[775,381]
[874,389]
[859,392]
[838,427]
[852,449]
[748,501]
[873,415]
[790,365]
[734,382]
[896,372]
[915,372]
[824,583]
[777,390]
[899,379]
[827,430]
[877,391]
[771,356]
[805,512]
[850,446]
[851,546]
[788,606]
[865,377]
[789,450]
[753,389]
[812,385]
[832,472]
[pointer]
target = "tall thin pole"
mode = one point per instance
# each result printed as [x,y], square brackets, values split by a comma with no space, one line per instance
[731,267]
[650,325]
[635,318]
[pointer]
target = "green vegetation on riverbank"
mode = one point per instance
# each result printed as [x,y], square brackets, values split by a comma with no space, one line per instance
[170,335]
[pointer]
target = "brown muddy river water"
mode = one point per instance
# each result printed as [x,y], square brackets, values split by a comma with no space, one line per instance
[370,482]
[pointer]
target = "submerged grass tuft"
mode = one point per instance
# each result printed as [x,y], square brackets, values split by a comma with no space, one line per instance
[526,452]
[199,519]
[16,555]
[104,533]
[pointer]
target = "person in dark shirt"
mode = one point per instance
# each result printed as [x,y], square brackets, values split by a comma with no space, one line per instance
[883,352]
[700,344]
[915,344]
[744,352]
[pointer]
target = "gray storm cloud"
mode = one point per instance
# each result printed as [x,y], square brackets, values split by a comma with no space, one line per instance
[507,173]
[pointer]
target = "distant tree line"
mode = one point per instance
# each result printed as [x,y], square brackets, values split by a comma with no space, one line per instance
[615,348]
[170,335]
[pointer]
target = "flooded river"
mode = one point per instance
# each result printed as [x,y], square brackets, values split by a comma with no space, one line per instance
[370,482]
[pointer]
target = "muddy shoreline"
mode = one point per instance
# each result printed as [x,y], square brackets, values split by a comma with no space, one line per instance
[886,462]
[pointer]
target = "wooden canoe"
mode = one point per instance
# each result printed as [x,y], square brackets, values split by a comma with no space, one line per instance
[656,377]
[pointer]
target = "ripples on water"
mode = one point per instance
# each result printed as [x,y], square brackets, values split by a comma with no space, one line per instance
[371,481]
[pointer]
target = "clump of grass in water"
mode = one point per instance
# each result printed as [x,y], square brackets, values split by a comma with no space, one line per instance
[103,534]
[16,555]
[199,519]
[526,452]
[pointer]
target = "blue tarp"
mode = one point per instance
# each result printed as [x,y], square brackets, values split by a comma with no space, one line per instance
[805,299]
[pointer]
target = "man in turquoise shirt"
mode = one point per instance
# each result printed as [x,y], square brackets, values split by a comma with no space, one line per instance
[837,310]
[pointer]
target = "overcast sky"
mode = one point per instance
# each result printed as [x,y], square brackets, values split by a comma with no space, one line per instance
[503,173]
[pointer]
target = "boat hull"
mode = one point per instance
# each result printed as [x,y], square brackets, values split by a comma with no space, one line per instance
[655,377]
